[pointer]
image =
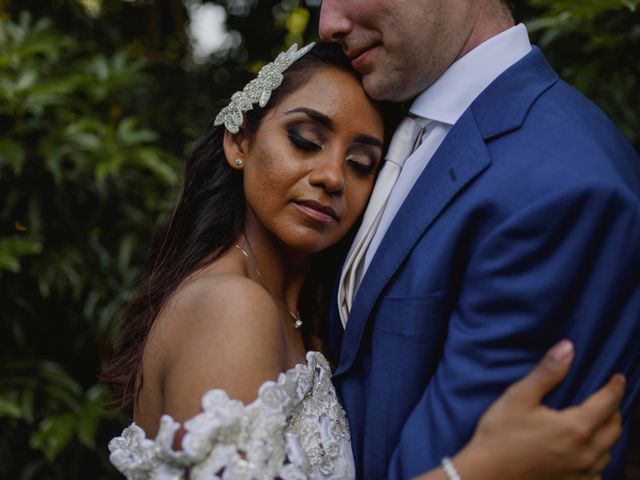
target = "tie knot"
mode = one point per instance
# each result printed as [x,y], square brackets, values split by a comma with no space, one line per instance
[405,139]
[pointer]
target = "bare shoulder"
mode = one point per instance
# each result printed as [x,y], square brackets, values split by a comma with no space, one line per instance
[217,331]
[219,303]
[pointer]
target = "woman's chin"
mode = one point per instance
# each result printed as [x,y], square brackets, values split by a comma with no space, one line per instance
[304,245]
[308,240]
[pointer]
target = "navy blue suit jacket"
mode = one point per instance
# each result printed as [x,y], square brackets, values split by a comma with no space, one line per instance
[523,229]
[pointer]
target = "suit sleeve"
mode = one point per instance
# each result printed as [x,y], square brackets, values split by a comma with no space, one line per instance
[566,265]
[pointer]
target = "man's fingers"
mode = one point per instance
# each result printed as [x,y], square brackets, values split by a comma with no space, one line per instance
[600,464]
[608,434]
[546,374]
[602,405]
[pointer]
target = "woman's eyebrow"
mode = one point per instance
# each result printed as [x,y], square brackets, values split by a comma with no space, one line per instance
[368,140]
[315,115]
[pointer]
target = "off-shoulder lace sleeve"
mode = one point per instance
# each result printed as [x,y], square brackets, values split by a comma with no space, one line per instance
[295,429]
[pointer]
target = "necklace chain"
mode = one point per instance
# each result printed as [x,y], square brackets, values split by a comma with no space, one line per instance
[297,321]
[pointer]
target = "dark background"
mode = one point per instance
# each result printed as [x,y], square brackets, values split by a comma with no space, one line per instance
[99,102]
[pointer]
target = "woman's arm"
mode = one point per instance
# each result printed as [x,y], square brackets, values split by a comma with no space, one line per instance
[519,438]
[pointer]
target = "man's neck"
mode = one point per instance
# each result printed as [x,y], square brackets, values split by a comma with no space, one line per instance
[492,19]
[447,98]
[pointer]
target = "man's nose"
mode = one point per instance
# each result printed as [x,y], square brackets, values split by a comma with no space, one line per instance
[328,173]
[334,24]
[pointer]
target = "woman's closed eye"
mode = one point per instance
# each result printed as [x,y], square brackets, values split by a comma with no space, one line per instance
[303,143]
[363,163]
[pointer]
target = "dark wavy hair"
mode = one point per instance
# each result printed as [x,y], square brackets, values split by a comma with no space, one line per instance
[207,219]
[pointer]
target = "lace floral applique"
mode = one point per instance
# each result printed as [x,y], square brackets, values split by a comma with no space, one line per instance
[294,430]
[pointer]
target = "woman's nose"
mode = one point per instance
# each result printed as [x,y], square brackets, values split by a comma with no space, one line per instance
[328,173]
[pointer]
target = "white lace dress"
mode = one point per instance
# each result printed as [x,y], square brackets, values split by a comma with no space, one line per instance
[295,429]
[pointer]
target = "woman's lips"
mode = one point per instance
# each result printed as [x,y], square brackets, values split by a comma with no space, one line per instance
[317,211]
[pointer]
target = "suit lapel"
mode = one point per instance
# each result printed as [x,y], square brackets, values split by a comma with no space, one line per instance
[461,158]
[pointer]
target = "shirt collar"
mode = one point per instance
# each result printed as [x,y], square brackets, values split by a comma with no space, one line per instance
[448,97]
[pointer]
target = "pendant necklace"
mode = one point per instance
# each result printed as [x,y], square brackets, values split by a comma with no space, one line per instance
[295,317]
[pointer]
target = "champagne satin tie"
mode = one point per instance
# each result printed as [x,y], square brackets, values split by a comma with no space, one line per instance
[404,141]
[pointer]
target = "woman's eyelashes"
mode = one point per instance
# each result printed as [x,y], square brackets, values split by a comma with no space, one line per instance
[361,163]
[303,143]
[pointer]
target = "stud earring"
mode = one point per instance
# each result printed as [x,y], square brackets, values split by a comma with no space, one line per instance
[238,162]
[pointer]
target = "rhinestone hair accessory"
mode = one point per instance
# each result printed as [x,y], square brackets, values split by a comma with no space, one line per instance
[259,89]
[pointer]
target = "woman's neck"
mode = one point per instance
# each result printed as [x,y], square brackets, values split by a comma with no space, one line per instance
[281,270]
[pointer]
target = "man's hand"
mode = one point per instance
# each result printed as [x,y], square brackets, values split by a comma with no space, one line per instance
[519,438]
[534,441]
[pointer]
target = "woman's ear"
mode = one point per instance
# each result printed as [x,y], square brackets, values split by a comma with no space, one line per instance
[235,148]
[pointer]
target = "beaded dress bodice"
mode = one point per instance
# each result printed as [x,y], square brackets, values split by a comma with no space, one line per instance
[295,429]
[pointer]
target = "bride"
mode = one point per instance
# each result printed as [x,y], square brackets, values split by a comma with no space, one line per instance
[220,355]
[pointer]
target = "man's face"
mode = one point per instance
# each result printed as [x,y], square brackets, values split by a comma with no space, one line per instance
[400,46]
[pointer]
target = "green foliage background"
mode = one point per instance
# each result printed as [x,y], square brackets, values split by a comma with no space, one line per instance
[99,101]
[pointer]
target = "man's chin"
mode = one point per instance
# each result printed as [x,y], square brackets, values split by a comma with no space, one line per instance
[382,88]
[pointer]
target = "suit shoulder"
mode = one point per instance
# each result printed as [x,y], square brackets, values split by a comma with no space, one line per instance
[566,138]
[577,123]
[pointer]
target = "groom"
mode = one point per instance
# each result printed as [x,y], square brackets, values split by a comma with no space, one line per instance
[515,222]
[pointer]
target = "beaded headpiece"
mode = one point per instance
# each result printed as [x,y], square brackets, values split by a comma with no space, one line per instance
[259,89]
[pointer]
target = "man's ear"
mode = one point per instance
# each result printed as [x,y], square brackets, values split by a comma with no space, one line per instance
[235,148]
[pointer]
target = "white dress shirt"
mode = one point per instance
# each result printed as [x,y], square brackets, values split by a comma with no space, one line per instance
[440,106]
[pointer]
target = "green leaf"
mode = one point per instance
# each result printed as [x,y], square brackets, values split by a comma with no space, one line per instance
[53,435]
[128,133]
[154,160]
[10,408]
[124,253]
[94,411]
[12,249]
[12,154]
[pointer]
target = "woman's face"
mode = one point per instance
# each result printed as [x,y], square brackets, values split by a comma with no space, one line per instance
[311,166]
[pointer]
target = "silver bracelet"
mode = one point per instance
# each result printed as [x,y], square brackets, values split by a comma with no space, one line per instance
[449,469]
